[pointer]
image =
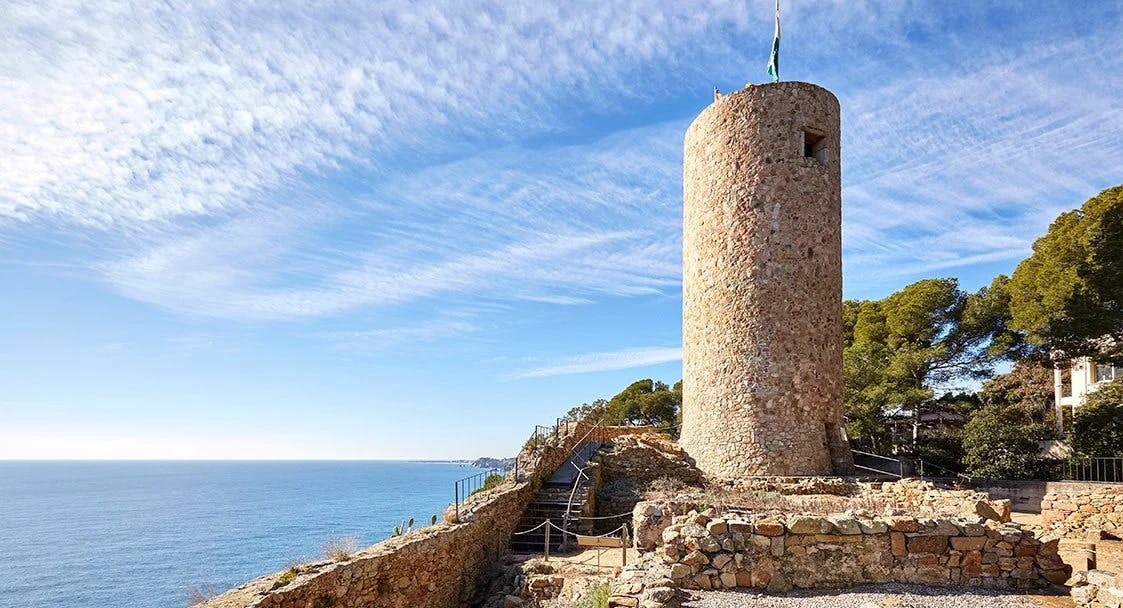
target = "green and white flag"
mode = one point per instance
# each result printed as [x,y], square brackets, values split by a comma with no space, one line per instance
[774,60]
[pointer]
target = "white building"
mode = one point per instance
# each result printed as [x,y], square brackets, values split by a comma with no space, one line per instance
[1072,384]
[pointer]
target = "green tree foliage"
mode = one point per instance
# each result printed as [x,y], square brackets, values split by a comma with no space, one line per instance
[645,402]
[897,350]
[1098,427]
[1028,387]
[1000,441]
[944,449]
[1068,295]
[591,411]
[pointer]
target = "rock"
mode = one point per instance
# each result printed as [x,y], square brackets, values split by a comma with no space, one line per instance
[717,526]
[671,535]
[873,526]
[680,571]
[808,525]
[768,527]
[779,584]
[968,543]
[695,558]
[983,508]
[845,525]
[903,524]
[512,601]
[660,594]
[728,580]
[927,544]
[709,544]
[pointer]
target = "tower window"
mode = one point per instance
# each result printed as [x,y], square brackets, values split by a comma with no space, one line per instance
[815,146]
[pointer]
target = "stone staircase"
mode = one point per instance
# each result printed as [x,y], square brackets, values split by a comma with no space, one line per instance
[551,502]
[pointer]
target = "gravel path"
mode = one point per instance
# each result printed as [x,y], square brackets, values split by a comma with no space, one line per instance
[883,596]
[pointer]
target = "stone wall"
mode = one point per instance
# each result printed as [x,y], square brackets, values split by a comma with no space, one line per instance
[762,285]
[1097,589]
[924,497]
[437,567]
[779,553]
[1070,508]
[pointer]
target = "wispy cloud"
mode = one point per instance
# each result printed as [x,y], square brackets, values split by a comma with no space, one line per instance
[945,171]
[561,229]
[404,335]
[605,361]
[125,113]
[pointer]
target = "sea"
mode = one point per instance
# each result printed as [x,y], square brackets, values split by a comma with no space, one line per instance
[154,534]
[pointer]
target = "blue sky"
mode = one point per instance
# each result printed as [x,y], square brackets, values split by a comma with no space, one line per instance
[415,230]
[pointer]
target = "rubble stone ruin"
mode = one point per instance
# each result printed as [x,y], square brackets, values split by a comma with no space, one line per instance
[762,285]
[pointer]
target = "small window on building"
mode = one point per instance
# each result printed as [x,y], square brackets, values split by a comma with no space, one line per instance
[1105,372]
[815,146]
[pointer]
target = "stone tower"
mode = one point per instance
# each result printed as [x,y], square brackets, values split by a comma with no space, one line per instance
[762,285]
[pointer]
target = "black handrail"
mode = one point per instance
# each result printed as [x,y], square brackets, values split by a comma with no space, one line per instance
[463,488]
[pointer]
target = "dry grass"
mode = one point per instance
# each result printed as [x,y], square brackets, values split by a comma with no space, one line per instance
[341,549]
[290,574]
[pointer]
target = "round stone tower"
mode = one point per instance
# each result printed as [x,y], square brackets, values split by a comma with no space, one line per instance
[762,285]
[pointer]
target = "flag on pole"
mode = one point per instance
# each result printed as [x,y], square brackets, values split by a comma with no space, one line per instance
[774,60]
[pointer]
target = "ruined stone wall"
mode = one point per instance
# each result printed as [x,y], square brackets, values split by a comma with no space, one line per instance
[437,567]
[762,285]
[1072,507]
[918,496]
[779,553]
[1097,589]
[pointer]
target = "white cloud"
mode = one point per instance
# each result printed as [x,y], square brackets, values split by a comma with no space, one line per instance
[943,172]
[606,361]
[123,113]
[561,228]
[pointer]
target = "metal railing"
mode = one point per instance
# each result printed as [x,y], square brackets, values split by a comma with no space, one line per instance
[926,469]
[463,488]
[900,473]
[595,435]
[1087,468]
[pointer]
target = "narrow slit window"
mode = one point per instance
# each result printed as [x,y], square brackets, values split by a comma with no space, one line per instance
[815,146]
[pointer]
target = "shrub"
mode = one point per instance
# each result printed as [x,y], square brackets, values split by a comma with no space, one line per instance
[1001,441]
[1098,428]
[341,549]
[290,574]
[490,482]
[597,597]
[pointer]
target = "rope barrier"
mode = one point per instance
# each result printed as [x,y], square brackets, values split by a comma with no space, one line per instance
[550,522]
[532,529]
[555,526]
[628,514]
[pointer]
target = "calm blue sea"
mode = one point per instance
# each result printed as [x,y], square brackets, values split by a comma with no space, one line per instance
[141,534]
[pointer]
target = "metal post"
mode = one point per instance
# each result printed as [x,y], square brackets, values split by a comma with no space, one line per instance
[546,548]
[457,502]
